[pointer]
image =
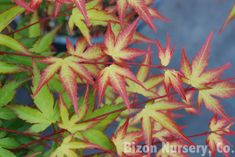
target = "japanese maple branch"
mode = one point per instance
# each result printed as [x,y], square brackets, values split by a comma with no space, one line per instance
[21,54]
[40,21]
[48,137]
[144,102]
[193,136]
[18,132]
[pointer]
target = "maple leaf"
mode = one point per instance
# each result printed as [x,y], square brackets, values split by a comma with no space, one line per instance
[68,147]
[200,62]
[185,67]
[115,76]
[215,140]
[83,50]
[142,76]
[195,74]
[161,133]
[153,113]
[96,16]
[165,54]
[123,137]
[34,4]
[188,101]
[72,123]
[89,53]
[45,114]
[164,135]
[70,68]
[145,12]
[169,143]
[208,82]
[173,78]
[137,37]
[116,47]
[217,90]
[229,19]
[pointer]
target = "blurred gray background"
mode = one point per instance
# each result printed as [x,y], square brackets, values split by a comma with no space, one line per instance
[191,22]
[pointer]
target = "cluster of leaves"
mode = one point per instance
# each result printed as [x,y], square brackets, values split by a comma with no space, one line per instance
[61,120]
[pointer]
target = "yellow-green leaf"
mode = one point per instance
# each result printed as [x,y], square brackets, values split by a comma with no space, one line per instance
[12,44]
[35,30]
[7,92]
[6,68]
[44,43]
[9,15]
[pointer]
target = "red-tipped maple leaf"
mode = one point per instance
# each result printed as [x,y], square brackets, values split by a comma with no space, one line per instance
[34,4]
[115,76]
[217,90]
[116,47]
[195,74]
[97,16]
[140,6]
[215,140]
[188,101]
[137,37]
[83,50]
[126,139]
[70,68]
[208,82]
[142,75]
[173,78]
[229,19]
[70,146]
[165,54]
[169,141]
[71,123]
[161,133]
[153,113]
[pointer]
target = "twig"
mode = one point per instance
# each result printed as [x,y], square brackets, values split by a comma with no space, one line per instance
[41,20]
[48,137]
[19,133]
[127,63]
[21,54]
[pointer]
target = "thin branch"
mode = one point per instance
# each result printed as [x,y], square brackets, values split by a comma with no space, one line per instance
[62,13]
[18,132]
[20,54]
[43,138]
[103,115]
[160,97]
[127,63]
